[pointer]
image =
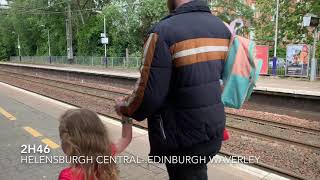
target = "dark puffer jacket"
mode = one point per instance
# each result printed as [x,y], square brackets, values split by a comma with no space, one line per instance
[179,90]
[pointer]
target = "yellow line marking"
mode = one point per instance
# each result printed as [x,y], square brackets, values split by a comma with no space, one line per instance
[7,115]
[32,131]
[50,143]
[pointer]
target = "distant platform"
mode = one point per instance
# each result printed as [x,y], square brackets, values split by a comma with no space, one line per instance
[289,85]
[272,85]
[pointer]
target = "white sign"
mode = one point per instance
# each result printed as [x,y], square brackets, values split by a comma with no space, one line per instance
[103,35]
[306,21]
[105,40]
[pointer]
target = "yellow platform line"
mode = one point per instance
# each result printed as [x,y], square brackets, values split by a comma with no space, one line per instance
[32,131]
[7,115]
[50,143]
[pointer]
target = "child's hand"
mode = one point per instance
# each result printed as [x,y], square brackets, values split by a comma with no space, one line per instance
[119,102]
[126,137]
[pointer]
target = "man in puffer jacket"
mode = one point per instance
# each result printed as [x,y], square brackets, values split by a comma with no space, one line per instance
[179,90]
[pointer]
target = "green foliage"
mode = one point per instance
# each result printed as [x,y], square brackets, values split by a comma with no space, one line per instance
[150,13]
[88,39]
[7,42]
[264,25]
[128,21]
[281,52]
[121,27]
[229,10]
[127,24]
[290,23]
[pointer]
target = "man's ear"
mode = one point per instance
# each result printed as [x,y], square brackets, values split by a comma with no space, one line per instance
[171,5]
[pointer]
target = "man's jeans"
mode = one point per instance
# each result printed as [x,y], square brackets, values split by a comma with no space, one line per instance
[187,172]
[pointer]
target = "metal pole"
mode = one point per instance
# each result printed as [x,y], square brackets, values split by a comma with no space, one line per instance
[91,60]
[112,62]
[137,62]
[69,34]
[105,33]
[49,45]
[105,45]
[274,59]
[276,31]
[127,57]
[19,47]
[313,60]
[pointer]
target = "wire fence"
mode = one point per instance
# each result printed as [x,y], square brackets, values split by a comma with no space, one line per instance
[91,61]
[121,62]
[281,67]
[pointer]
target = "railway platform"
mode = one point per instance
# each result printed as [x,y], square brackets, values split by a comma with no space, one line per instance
[269,85]
[30,119]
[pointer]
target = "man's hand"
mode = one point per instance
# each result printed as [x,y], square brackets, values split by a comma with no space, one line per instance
[119,103]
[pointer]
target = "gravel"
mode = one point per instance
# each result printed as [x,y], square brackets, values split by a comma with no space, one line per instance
[286,134]
[300,161]
[97,104]
[276,118]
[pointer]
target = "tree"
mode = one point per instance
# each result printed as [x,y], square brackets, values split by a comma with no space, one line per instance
[229,10]
[290,23]
[151,12]
[7,40]
[128,21]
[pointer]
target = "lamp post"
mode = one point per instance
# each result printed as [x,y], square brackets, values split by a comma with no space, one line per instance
[69,33]
[105,43]
[104,38]
[19,46]
[274,67]
[313,60]
[311,20]
[49,46]
[276,30]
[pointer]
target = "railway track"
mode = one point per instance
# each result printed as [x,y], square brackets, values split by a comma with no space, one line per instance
[103,93]
[111,95]
[281,125]
[274,139]
[109,89]
[310,139]
[124,92]
[92,92]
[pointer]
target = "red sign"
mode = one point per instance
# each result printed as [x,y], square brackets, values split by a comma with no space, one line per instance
[263,54]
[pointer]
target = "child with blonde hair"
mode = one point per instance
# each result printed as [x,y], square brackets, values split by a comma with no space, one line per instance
[83,134]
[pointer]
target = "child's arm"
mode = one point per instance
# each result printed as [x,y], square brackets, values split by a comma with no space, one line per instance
[126,138]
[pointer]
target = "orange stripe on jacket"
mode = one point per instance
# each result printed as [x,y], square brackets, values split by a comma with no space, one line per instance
[134,100]
[199,42]
[197,58]
[199,50]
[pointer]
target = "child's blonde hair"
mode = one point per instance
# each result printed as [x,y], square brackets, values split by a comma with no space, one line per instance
[82,133]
